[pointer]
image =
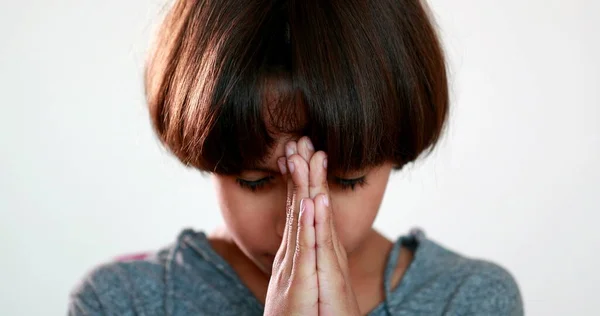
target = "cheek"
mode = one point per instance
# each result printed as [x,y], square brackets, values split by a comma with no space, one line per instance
[250,217]
[354,217]
[355,212]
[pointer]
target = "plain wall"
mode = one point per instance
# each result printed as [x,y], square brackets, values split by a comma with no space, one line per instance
[515,180]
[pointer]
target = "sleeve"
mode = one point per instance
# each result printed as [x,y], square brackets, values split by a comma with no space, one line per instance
[488,290]
[85,301]
[105,290]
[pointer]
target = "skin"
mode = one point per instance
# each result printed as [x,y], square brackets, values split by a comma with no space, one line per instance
[347,252]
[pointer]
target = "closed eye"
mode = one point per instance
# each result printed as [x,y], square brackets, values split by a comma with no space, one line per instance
[345,184]
[254,185]
[350,183]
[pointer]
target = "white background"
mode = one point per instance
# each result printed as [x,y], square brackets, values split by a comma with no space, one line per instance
[515,180]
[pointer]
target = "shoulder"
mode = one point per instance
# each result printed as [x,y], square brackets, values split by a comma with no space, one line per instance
[114,287]
[484,287]
[131,285]
[453,284]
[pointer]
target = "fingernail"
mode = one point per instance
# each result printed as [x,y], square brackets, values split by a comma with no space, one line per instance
[291,166]
[289,150]
[325,200]
[302,206]
[309,144]
[325,163]
[281,164]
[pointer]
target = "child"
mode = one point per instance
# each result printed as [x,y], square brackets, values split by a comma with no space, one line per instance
[299,110]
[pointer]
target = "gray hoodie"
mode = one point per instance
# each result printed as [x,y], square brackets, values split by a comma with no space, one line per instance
[190,278]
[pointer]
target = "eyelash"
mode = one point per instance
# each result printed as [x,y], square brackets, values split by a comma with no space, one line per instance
[254,185]
[345,184]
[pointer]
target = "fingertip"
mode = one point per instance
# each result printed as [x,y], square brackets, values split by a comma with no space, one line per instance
[309,144]
[281,163]
[291,149]
[323,157]
[318,161]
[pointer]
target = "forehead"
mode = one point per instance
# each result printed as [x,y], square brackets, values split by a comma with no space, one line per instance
[285,120]
[283,110]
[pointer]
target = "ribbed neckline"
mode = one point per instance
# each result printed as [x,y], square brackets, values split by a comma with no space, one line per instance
[413,241]
[200,243]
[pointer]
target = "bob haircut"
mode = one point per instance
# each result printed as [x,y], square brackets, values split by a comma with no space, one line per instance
[365,80]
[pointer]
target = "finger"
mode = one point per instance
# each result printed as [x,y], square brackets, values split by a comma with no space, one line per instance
[282,164]
[305,148]
[318,185]
[291,148]
[318,175]
[337,242]
[297,190]
[305,258]
[327,257]
[280,255]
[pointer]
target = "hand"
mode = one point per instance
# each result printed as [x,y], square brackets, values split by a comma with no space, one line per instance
[293,287]
[335,294]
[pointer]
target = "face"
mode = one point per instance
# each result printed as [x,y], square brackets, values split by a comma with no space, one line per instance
[253,205]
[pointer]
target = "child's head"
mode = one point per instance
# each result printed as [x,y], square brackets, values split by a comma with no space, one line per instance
[230,81]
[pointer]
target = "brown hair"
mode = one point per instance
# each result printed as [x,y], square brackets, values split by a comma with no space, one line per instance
[365,80]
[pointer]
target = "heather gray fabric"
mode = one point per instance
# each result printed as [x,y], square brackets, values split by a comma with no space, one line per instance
[190,278]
